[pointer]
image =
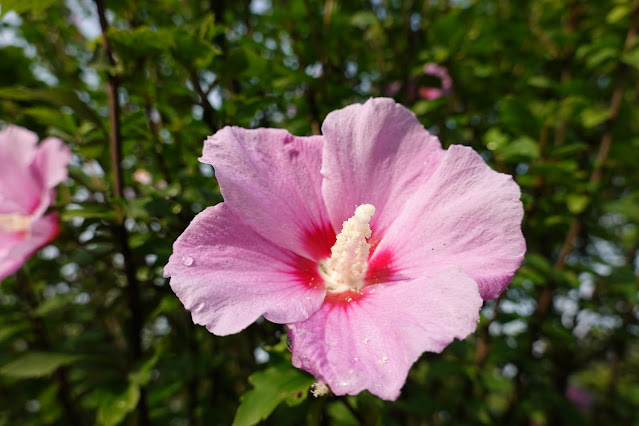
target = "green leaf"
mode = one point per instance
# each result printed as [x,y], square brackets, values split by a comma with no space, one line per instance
[22,6]
[577,203]
[142,375]
[592,117]
[37,364]
[495,139]
[632,58]
[114,407]
[48,306]
[617,14]
[277,384]
[521,149]
[55,96]
[517,117]
[90,211]
[7,331]
[363,19]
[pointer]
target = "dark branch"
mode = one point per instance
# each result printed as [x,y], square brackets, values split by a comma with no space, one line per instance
[120,232]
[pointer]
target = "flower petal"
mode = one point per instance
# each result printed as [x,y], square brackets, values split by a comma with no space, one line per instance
[468,216]
[376,153]
[19,190]
[272,181]
[51,162]
[15,251]
[227,275]
[371,343]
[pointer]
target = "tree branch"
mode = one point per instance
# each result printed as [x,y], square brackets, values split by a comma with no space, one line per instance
[119,230]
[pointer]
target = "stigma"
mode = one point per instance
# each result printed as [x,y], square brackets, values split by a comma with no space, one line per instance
[14,222]
[346,268]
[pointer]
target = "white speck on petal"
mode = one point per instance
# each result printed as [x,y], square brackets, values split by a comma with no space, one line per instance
[366,340]
[383,361]
[187,260]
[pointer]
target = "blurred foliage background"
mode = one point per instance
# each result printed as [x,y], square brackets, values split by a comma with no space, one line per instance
[545,90]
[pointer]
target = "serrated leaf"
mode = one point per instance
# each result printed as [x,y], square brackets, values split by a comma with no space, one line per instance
[37,364]
[277,384]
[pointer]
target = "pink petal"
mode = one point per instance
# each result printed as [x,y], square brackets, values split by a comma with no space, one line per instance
[467,216]
[17,145]
[376,153]
[371,341]
[430,93]
[15,251]
[441,72]
[272,181]
[51,162]
[227,275]
[19,190]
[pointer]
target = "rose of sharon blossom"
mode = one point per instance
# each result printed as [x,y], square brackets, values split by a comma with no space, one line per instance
[370,242]
[583,399]
[28,174]
[446,82]
[414,92]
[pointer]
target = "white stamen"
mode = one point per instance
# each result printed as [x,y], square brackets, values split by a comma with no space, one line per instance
[319,389]
[346,268]
[14,222]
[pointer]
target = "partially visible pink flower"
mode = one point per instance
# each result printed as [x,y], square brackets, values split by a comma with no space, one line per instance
[371,242]
[582,399]
[393,88]
[446,82]
[28,174]
[143,176]
[425,92]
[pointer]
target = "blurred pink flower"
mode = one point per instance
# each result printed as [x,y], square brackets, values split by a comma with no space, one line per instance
[446,82]
[582,399]
[425,92]
[143,176]
[371,242]
[28,174]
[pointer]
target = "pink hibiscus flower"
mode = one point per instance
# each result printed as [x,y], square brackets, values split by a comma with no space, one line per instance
[371,242]
[583,399]
[28,174]
[446,82]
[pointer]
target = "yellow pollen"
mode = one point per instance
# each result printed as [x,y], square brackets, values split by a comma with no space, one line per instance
[346,268]
[14,222]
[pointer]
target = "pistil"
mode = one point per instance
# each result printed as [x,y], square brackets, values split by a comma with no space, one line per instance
[346,268]
[14,222]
